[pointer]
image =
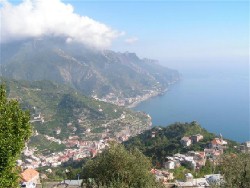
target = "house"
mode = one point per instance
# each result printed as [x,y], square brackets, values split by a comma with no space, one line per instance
[196,138]
[196,183]
[153,134]
[58,130]
[29,178]
[218,143]
[162,176]
[189,161]
[169,165]
[186,141]
[191,182]
[214,179]
[70,183]
[245,147]
[200,159]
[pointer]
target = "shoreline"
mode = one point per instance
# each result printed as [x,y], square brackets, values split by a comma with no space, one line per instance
[146,97]
[150,95]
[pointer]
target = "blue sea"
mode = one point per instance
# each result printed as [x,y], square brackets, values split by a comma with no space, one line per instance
[218,98]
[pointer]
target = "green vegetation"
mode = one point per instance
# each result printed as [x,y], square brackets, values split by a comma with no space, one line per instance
[179,173]
[45,146]
[209,168]
[15,130]
[117,167]
[236,170]
[66,109]
[167,140]
[66,171]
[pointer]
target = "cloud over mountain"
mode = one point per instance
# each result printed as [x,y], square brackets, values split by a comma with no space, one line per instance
[36,18]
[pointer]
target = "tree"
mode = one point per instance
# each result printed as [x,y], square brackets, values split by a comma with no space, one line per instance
[207,169]
[236,170]
[117,167]
[15,130]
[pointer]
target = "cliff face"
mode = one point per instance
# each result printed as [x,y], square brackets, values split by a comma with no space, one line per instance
[99,73]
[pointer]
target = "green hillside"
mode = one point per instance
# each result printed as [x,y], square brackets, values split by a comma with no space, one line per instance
[167,140]
[60,111]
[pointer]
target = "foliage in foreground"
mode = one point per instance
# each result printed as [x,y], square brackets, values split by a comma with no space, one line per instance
[15,130]
[236,170]
[117,167]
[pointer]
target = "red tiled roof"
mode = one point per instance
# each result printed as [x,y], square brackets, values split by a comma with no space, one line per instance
[28,174]
[216,141]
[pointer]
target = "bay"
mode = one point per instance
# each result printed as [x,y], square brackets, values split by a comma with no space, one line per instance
[217,98]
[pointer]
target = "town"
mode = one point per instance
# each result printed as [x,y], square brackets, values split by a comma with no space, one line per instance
[78,150]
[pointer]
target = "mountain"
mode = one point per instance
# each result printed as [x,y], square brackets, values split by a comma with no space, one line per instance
[61,112]
[104,74]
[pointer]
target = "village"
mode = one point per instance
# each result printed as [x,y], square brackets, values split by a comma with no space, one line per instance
[195,160]
[129,102]
[78,150]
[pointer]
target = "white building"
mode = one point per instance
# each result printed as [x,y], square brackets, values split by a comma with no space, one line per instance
[186,141]
[245,147]
[169,165]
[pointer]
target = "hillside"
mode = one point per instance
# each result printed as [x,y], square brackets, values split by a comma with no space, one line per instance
[166,140]
[161,143]
[59,111]
[104,74]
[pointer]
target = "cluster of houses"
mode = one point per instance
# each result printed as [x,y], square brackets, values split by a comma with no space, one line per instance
[188,140]
[76,149]
[112,98]
[210,180]
[82,149]
[196,159]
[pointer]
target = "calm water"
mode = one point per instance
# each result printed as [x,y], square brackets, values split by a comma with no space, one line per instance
[217,99]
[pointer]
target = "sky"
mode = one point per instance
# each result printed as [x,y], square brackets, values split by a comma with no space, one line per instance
[172,32]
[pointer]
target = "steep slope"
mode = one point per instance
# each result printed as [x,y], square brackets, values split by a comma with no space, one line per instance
[59,111]
[111,76]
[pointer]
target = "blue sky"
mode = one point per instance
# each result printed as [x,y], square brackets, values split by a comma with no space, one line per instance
[175,31]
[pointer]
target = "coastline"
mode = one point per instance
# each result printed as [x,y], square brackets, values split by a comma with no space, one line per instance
[150,95]
[146,97]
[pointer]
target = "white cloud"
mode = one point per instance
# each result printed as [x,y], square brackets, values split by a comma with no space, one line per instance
[131,40]
[36,18]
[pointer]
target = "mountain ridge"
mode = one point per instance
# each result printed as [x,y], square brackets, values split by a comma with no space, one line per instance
[107,75]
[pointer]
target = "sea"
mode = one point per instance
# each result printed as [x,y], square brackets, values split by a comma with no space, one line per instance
[216,97]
